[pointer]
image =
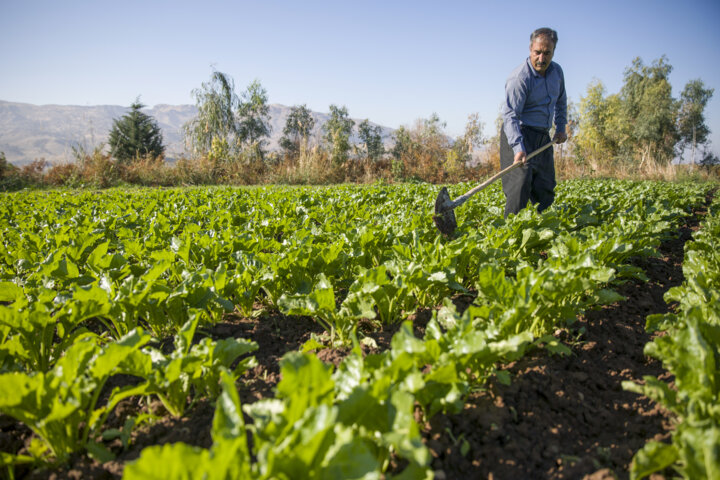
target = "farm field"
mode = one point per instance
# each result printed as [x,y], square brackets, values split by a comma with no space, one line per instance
[332,332]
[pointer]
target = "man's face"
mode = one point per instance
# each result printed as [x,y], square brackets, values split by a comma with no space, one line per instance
[541,53]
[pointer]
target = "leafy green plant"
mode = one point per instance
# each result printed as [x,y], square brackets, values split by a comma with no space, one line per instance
[320,304]
[172,260]
[192,371]
[310,430]
[60,406]
[690,351]
[229,456]
[691,354]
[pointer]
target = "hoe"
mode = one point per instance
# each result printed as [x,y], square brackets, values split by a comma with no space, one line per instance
[444,217]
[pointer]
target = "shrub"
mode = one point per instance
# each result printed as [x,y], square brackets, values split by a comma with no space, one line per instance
[66,174]
[150,171]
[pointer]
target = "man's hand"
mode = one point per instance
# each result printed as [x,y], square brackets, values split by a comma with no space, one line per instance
[559,137]
[521,157]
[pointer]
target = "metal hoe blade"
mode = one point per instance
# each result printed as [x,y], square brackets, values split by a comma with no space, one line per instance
[444,217]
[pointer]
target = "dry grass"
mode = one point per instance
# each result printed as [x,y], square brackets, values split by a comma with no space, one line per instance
[434,163]
[568,169]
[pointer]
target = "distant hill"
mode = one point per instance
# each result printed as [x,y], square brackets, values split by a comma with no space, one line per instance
[29,132]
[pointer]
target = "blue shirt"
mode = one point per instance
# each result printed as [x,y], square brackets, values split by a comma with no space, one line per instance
[533,100]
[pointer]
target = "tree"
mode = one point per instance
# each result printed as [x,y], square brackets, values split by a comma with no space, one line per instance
[649,111]
[709,159]
[472,138]
[372,139]
[135,135]
[253,118]
[402,147]
[5,167]
[297,130]
[600,131]
[421,151]
[460,155]
[431,130]
[215,124]
[403,142]
[692,129]
[337,130]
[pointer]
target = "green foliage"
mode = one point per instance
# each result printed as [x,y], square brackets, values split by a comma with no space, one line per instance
[192,371]
[422,151]
[401,148]
[461,152]
[297,130]
[135,135]
[371,138]
[471,139]
[690,351]
[60,406]
[403,142]
[253,115]
[6,168]
[320,304]
[691,119]
[337,130]
[599,135]
[217,106]
[649,110]
[228,458]
[173,261]
[643,122]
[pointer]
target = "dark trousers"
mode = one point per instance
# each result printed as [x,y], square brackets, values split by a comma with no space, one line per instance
[536,180]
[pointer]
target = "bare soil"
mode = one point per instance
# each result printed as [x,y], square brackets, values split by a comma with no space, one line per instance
[562,417]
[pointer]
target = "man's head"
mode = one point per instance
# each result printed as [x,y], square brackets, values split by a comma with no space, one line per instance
[542,48]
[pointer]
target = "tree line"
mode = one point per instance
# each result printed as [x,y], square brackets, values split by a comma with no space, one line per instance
[643,122]
[231,128]
[641,125]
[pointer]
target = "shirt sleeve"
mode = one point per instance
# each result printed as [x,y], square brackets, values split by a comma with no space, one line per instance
[515,96]
[561,106]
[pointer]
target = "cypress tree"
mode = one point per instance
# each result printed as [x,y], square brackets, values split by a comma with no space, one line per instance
[135,135]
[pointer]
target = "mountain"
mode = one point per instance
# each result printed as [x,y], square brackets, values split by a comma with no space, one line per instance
[29,132]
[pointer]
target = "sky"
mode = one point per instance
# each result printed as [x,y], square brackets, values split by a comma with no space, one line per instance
[392,62]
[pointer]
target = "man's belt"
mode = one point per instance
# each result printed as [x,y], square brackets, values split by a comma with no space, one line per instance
[544,131]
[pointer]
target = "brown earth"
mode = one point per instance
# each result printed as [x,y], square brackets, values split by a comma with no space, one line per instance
[562,417]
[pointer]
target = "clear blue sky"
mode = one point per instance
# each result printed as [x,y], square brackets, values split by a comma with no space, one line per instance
[390,61]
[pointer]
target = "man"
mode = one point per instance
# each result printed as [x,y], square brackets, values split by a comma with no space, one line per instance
[534,98]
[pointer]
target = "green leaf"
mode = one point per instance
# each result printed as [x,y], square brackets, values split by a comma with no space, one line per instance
[99,452]
[115,354]
[503,377]
[312,344]
[176,461]
[405,341]
[608,297]
[553,345]
[350,456]
[8,459]
[9,292]
[98,259]
[306,382]
[653,457]
[228,422]
[14,387]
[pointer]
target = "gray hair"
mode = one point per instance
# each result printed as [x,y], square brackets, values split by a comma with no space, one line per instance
[544,32]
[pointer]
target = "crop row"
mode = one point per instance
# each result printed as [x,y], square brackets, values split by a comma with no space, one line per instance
[510,315]
[92,284]
[690,351]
